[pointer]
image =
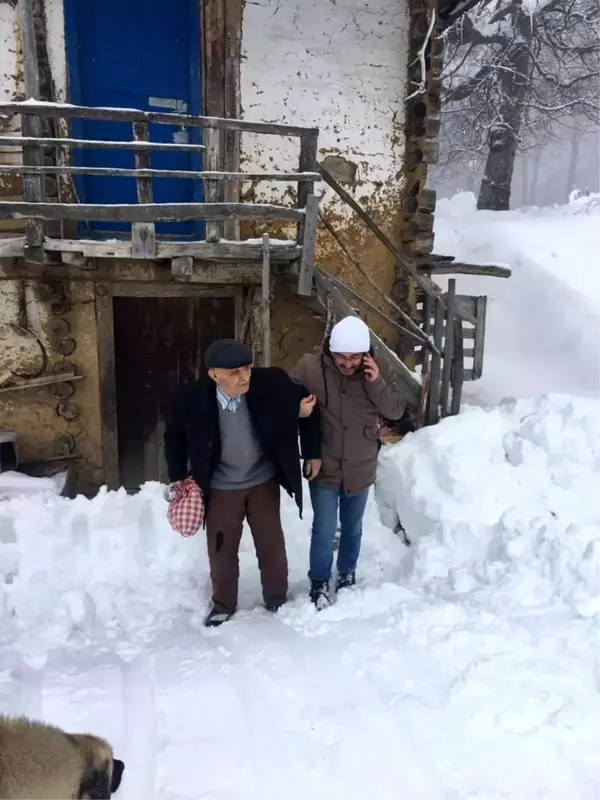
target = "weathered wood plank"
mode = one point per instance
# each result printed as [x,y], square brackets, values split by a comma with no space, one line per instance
[207,251]
[458,367]
[142,162]
[182,265]
[157,212]
[480,315]
[108,395]
[33,185]
[266,304]
[206,175]
[67,111]
[144,289]
[232,107]
[143,240]
[44,380]
[309,145]
[458,268]
[309,247]
[433,402]
[205,273]
[97,144]
[448,347]
[426,363]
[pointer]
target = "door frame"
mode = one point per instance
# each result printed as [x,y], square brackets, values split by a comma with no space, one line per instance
[105,332]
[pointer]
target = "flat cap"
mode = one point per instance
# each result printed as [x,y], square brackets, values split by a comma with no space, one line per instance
[227,354]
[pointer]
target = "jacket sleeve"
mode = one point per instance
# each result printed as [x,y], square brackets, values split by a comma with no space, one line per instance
[176,450]
[310,427]
[385,400]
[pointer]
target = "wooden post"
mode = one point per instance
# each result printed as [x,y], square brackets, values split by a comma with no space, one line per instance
[143,234]
[448,347]
[309,143]
[432,415]
[480,314]
[309,246]
[266,304]
[426,362]
[108,393]
[458,367]
[33,185]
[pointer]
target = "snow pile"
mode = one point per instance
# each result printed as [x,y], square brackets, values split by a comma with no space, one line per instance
[17,484]
[543,323]
[502,505]
[65,565]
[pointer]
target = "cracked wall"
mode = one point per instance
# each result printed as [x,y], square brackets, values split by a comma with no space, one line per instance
[341,66]
[33,412]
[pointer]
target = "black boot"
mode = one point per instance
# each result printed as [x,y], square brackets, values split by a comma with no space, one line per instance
[345,580]
[216,617]
[273,604]
[319,594]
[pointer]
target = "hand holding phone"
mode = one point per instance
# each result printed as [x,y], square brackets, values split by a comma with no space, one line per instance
[371,368]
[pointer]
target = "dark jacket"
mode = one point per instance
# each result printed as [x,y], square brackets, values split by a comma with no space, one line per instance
[350,410]
[193,440]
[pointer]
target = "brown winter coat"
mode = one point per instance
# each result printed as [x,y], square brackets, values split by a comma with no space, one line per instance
[350,408]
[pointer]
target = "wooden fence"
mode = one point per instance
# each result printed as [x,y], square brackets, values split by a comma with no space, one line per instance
[146,213]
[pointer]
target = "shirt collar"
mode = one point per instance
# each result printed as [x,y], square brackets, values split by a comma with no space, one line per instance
[228,403]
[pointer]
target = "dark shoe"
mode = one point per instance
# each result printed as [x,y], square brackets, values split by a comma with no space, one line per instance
[345,580]
[274,604]
[217,617]
[319,594]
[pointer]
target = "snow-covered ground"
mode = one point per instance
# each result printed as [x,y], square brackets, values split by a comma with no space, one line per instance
[543,326]
[465,666]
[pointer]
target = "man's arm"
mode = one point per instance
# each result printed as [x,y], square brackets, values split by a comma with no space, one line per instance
[176,451]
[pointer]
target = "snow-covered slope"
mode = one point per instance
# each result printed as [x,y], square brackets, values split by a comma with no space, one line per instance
[465,666]
[543,332]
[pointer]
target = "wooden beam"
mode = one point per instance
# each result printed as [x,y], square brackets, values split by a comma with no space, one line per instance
[458,268]
[232,107]
[448,347]
[207,251]
[44,380]
[143,240]
[108,393]
[372,225]
[142,162]
[266,304]
[157,212]
[145,289]
[480,316]
[433,401]
[67,111]
[33,186]
[97,144]
[213,28]
[134,271]
[205,175]
[309,146]
[458,367]
[309,247]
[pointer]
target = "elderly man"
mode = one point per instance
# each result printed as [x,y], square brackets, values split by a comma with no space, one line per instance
[351,395]
[238,431]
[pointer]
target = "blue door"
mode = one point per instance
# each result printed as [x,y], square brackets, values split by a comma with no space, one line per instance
[141,54]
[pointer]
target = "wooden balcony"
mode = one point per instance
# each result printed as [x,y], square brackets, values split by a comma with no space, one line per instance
[44,156]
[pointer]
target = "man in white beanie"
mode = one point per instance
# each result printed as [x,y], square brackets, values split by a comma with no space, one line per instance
[351,395]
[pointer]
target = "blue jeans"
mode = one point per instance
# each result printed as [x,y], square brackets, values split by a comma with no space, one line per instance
[325,503]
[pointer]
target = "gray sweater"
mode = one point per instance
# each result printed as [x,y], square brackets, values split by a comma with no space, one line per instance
[243,463]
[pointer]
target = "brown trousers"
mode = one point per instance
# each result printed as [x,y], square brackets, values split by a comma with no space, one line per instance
[227,510]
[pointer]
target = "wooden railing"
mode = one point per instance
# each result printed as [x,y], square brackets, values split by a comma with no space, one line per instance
[146,213]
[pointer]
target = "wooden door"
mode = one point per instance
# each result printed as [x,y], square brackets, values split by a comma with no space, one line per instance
[159,344]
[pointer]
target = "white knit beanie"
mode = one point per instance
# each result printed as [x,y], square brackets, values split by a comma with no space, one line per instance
[350,335]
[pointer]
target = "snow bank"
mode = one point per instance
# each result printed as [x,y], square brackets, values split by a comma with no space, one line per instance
[502,505]
[543,327]
[65,565]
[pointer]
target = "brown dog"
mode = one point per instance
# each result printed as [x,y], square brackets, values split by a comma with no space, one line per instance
[42,761]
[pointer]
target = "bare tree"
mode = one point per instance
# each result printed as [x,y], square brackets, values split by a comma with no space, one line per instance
[515,71]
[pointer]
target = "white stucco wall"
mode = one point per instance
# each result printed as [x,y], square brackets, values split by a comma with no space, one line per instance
[339,65]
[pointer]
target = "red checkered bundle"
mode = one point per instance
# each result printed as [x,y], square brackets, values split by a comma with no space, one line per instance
[186,508]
